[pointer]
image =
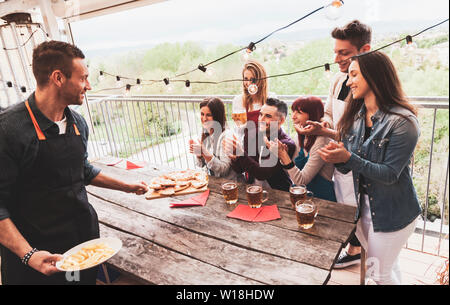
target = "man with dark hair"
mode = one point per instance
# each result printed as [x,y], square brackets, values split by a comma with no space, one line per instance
[264,168]
[352,39]
[44,208]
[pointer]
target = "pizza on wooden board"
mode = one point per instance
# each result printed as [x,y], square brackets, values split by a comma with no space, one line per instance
[175,182]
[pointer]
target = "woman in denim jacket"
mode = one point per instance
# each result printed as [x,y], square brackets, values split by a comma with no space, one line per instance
[379,131]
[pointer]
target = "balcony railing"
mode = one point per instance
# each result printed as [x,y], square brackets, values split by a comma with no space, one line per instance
[156,129]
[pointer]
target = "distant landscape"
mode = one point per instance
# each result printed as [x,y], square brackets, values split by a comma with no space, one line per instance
[424,71]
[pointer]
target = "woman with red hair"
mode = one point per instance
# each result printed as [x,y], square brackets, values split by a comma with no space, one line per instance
[308,168]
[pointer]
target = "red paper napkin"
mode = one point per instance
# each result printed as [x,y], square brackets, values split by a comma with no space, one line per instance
[265,213]
[268,213]
[199,200]
[131,165]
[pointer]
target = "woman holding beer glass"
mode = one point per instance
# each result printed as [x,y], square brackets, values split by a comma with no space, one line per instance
[308,168]
[246,106]
[209,149]
[379,131]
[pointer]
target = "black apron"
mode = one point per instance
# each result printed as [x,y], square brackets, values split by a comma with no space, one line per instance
[51,209]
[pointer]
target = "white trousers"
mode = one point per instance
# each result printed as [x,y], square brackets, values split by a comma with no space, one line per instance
[382,249]
[343,188]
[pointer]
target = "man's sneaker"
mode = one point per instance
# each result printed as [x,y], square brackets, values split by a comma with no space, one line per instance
[344,260]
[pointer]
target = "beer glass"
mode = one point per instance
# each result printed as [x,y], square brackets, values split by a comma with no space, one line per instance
[255,196]
[306,212]
[230,192]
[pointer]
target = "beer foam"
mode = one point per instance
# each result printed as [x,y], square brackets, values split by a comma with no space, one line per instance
[305,208]
[254,189]
[229,186]
[298,190]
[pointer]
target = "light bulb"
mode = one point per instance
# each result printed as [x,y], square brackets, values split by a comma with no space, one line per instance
[252,89]
[410,44]
[128,90]
[169,88]
[187,88]
[333,10]
[119,82]
[138,85]
[245,55]
[101,76]
[327,71]
[210,71]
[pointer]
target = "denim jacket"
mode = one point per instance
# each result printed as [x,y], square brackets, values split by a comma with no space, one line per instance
[383,160]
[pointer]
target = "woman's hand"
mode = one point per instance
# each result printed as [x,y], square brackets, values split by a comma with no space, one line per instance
[280,149]
[195,147]
[313,128]
[233,147]
[334,152]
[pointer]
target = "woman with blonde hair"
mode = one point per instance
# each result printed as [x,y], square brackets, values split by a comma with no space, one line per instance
[252,98]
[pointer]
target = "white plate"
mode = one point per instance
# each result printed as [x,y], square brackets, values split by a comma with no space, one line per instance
[114,243]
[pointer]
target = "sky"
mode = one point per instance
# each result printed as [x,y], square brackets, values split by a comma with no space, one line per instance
[239,22]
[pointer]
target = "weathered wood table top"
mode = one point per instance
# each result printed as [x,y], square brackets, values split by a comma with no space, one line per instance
[200,245]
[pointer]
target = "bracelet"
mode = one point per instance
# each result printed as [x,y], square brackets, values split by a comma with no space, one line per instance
[27,256]
[288,166]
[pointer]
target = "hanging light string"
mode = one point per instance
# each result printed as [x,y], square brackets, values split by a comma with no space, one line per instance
[325,66]
[252,46]
[29,38]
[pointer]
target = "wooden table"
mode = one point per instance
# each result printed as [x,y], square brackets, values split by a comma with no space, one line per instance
[200,245]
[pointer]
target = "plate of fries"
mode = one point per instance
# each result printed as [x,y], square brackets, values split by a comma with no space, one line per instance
[89,254]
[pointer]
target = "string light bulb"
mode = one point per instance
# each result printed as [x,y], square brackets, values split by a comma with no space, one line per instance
[202,68]
[9,84]
[251,47]
[410,45]
[119,82]
[188,87]
[327,71]
[169,86]
[138,85]
[23,89]
[101,76]
[127,90]
[252,88]
[333,10]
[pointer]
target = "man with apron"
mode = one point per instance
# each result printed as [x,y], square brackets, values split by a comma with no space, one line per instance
[44,209]
[352,39]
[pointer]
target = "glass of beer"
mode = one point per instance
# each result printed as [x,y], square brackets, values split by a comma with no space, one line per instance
[296,193]
[306,212]
[255,196]
[239,118]
[230,192]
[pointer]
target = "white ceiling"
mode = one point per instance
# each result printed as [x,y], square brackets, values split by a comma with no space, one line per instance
[73,10]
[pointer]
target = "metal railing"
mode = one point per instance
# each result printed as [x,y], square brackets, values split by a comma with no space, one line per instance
[156,129]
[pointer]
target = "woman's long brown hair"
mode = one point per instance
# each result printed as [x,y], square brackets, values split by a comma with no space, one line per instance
[381,77]
[260,74]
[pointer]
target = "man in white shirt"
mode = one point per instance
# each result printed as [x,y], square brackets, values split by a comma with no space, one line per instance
[352,39]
